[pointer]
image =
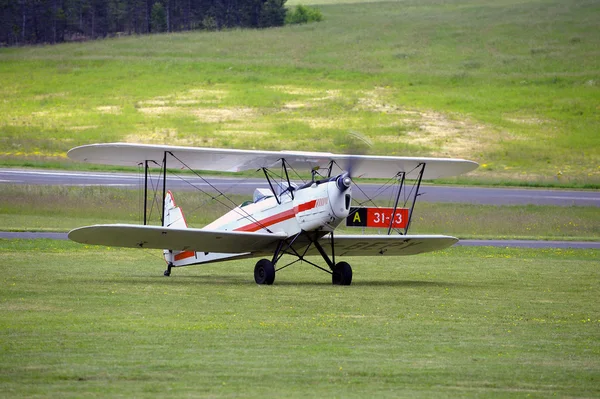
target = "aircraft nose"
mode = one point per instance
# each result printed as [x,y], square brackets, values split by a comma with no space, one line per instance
[343,182]
[340,197]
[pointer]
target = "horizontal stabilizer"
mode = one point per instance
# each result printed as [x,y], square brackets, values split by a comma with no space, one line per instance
[185,239]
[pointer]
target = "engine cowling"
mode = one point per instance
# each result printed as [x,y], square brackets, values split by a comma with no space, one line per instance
[340,196]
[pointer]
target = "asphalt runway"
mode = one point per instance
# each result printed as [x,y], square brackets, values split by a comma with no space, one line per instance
[246,186]
[466,243]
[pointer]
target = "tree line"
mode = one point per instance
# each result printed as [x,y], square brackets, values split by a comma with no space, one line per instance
[55,21]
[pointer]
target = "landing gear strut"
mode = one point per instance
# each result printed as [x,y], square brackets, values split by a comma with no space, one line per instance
[341,273]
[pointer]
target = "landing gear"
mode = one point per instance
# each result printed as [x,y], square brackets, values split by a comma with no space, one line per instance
[264,272]
[167,272]
[341,274]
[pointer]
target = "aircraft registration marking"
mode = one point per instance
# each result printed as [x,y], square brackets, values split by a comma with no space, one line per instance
[377,217]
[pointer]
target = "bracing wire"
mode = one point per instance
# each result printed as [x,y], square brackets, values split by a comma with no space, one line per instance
[221,194]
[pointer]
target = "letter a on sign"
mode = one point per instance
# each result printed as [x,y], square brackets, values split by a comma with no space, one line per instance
[357,217]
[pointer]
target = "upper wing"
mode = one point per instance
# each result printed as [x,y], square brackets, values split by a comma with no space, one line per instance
[375,245]
[231,160]
[137,236]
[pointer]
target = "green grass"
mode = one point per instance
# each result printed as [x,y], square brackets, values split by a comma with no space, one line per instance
[79,321]
[513,85]
[50,208]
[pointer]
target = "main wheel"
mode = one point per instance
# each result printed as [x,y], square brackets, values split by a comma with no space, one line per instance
[264,272]
[342,274]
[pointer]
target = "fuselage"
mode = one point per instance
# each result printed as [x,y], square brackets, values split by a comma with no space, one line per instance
[316,206]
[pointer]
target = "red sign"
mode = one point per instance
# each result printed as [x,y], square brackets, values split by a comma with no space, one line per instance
[378,217]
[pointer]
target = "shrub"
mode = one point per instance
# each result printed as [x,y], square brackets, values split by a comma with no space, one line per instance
[302,15]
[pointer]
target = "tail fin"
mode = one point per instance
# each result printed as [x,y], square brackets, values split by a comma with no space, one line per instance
[174,218]
[173,214]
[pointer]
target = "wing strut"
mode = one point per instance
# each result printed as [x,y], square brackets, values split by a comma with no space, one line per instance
[396,203]
[404,200]
[280,188]
[164,193]
[145,192]
[163,173]
[414,201]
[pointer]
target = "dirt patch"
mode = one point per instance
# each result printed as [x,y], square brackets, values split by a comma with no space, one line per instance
[296,90]
[450,137]
[329,95]
[205,94]
[154,102]
[446,135]
[79,128]
[314,95]
[443,135]
[186,102]
[241,133]
[158,110]
[50,95]
[323,123]
[526,121]
[191,97]
[109,109]
[223,114]
[376,100]
[249,125]
[162,136]
[210,115]
[295,105]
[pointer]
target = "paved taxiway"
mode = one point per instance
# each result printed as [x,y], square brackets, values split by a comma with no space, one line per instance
[466,243]
[429,193]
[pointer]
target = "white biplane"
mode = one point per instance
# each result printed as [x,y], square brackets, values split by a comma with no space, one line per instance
[288,218]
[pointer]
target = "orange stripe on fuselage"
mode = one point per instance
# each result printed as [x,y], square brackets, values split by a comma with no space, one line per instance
[278,218]
[305,207]
[184,255]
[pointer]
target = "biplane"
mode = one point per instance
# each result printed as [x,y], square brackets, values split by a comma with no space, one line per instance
[290,217]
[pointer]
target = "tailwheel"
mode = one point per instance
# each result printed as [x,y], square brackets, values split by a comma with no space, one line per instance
[167,272]
[264,272]
[342,274]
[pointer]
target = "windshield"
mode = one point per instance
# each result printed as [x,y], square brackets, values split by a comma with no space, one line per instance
[282,187]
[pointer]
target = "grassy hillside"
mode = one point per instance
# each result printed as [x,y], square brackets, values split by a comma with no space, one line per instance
[511,84]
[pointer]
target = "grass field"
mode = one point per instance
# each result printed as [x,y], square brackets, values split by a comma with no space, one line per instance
[510,84]
[513,85]
[48,208]
[469,322]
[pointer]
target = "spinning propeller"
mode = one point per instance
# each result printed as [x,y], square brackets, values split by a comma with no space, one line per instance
[357,144]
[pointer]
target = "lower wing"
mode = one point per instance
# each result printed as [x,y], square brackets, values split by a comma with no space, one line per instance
[157,237]
[376,245]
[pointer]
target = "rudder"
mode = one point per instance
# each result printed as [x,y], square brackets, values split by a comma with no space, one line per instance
[174,218]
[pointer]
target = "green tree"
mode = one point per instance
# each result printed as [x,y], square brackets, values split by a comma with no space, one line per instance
[158,18]
[272,13]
